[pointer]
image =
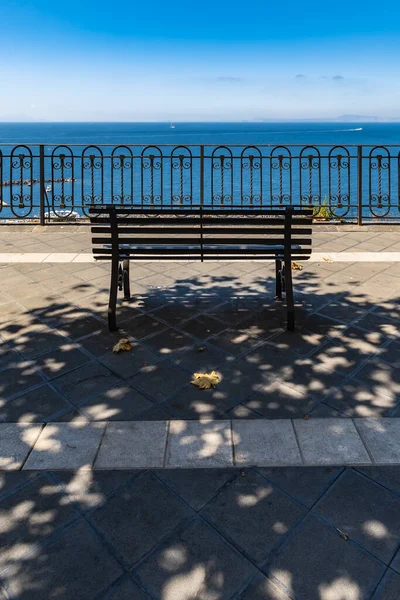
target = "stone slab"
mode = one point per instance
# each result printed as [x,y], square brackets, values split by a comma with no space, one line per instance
[330,442]
[196,444]
[265,443]
[16,440]
[382,438]
[66,446]
[133,445]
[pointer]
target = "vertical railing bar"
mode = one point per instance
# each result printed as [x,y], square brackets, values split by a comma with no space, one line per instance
[359,191]
[41,185]
[201,175]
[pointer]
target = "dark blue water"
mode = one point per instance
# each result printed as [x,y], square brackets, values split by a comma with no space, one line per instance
[298,185]
[201,133]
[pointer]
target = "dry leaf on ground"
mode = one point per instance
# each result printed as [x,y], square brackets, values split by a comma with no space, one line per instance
[296,266]
[327,259]
[343,535]
[123,344]
[205,381]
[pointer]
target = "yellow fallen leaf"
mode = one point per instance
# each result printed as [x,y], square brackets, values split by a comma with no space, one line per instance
[123,344]
[343,535]
[327,259]
[205,381]
[296,266]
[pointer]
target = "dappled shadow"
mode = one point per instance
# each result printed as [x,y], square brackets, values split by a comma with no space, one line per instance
[57,361]
[173,535]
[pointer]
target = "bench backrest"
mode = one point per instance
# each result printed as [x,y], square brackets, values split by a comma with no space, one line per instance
[200,233]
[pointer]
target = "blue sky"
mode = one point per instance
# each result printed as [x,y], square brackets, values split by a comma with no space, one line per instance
[157,60]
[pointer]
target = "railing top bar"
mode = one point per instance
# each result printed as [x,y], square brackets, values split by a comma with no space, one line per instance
[190,144]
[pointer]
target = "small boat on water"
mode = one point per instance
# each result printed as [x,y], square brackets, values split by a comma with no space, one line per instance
[171,125]
[48,188]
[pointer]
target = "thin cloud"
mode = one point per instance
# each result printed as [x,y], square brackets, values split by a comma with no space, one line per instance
[300,76]
[337,77]
[228,79]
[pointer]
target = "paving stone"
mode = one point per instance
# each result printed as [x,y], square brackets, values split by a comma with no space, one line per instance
[380,377]
[169,342]
[10,481]
[159,381]
[142,326]
[254,515]
[266,322]
[324,411]
[196,563]
[391,354]
[202,358]
[382,438]
[388,476]
[365,511]
[242,412]
[358,400]
[119,403]
[272,360]
[87,381]
[235,341]
[306,485]
[37,405]
[342,310]
[31,339]
[199,444]
[389,588]
[127,364]
[237,381]
[66,358]
[318,563]
[265,443]
[196,487]
[101,342]
[133,445]
[276,400]
[89,489]
[7,356]
[301,342]
[262,588]
[203,326]
[395,564]
[308,377]
[139,516]
[177,312]
[378,322]
[74,565]
[16,440]
[65,446]
[330,442]
[128,590]
[32,513]
[156,413]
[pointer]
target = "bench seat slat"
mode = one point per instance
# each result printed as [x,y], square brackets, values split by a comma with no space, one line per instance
[176,251]
[195,209]
[207,221]
[177,241]
[261,230]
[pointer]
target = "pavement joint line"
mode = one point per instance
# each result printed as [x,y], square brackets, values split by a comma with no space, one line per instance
[84,257]
[327,443]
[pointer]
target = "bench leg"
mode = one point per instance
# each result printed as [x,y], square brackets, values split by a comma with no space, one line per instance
[125,275]
[278,278]
[112,305]
[289,296]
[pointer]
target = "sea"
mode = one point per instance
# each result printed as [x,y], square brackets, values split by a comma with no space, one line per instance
[232,136]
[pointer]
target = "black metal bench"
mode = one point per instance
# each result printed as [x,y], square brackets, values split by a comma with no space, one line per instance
[121,234]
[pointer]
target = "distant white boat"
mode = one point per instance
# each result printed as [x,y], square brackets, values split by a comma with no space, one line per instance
[171,125]
[48,188]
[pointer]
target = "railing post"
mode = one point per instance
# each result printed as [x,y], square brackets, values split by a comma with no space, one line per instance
[41,184]
[360,181]
[201,175]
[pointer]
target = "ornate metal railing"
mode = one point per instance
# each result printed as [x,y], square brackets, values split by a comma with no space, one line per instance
[344,183]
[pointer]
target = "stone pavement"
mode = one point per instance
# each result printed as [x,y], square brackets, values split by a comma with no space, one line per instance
[215,534]
[199,444]
[56,360]
[303,533]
